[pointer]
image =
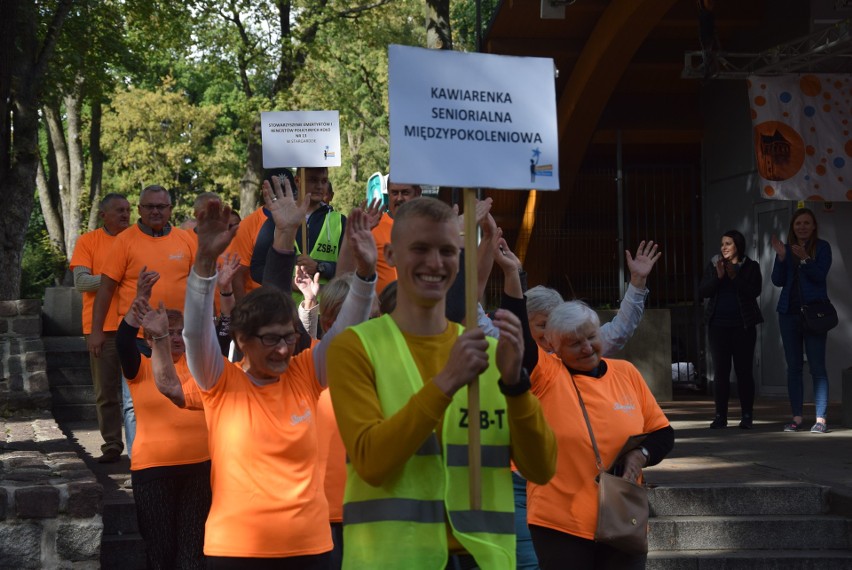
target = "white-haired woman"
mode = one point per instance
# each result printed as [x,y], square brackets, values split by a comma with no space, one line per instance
[563,514]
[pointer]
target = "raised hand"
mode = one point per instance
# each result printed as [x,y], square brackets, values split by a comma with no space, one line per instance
[779,248]
[156,321]
[287,213]
[720,267]
[145,283]
[799,251]
[138,309]
[214,235]
[503,256]
[510,346]
[227,269]
[646,256]
[373,212]
[309,286]
[361,242]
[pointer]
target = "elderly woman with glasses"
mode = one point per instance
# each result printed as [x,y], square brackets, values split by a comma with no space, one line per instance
[563,514]
[269,509]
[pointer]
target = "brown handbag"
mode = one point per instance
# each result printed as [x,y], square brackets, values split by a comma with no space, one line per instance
[622,504]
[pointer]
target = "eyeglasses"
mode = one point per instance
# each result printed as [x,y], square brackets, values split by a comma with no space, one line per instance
[158,207]
[271,340]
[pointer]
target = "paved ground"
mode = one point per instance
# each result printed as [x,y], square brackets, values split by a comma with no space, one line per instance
[731,456]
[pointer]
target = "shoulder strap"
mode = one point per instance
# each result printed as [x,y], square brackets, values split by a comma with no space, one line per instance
[598,460]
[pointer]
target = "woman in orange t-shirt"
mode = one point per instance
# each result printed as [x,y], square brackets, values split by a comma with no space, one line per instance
[170,467]
[563,514]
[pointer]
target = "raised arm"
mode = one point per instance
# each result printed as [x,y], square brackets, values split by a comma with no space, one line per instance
[617,332]
[357,306]
[203,353]
[156,324]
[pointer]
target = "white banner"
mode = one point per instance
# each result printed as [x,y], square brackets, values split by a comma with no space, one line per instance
[802,141]
[472,120]
[308,139]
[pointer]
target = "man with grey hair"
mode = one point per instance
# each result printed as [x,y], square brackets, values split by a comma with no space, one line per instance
[152,248]
[87,262]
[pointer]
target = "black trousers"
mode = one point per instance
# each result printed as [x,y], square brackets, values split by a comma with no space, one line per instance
[735,344]
[171,512]
[562,551]
[308,562]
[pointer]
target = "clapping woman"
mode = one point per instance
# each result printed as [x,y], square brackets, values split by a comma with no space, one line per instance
[732,283]
[801,269]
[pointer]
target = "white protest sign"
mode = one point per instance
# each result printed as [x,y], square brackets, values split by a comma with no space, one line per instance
[472,120]
[308,139]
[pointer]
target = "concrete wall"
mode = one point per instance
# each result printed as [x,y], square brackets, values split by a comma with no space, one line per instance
[650,350]
[731,200]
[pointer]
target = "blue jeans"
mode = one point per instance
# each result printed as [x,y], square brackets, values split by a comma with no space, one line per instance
[129,416]
[794,337]
[527,560]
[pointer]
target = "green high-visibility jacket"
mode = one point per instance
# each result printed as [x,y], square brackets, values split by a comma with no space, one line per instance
[402,523]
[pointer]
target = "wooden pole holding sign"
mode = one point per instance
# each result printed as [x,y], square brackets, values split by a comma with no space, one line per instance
[302,193]
[474,444]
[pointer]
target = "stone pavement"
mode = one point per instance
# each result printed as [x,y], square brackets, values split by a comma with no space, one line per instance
[764,454]
[50,503]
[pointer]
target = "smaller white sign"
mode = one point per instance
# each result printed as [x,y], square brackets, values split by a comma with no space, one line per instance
[309,139]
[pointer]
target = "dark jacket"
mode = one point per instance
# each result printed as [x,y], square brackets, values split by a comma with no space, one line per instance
[812,276]
[747,283]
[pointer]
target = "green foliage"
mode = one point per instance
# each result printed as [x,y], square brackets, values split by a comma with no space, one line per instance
[347,70]
[159,137]
[42,264]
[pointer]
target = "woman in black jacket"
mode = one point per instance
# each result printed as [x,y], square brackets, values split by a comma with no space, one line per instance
[732,283]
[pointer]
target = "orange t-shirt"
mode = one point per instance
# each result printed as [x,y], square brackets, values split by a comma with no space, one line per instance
[382,235]
[619,405]
[165,433]
[171,256]
[332,456]
[243,243]
[268,500]
[91,251]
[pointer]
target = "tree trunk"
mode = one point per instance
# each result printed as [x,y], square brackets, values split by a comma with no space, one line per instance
[438,32]
[77,194]
[21,51]
[253,175]
[96,155]
[355,139]
[49,212]
[53,201]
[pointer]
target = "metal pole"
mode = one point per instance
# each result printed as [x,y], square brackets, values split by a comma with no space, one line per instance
[619,184]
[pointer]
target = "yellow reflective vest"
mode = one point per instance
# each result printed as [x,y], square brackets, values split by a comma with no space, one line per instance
[402,523]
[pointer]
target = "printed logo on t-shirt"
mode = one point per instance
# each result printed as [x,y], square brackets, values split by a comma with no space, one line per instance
[176,256]
[624,407]
[296,419]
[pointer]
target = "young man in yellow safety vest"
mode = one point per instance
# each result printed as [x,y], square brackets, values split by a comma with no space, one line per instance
[397,388]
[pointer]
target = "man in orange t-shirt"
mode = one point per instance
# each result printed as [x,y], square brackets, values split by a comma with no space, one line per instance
[398,194]
[154,244]
[87,262]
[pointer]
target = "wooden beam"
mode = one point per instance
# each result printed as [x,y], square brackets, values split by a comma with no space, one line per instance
[617,36]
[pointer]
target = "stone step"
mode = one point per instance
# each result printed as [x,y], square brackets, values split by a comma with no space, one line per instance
[65,395]
[738,500]
[750,560]
[120,517]
[62,351]
[789,532]
[75,412]
[69,376]
[123,551]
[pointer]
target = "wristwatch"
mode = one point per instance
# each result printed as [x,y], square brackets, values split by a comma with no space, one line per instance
[805,261]
[322,267]
[646,454]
